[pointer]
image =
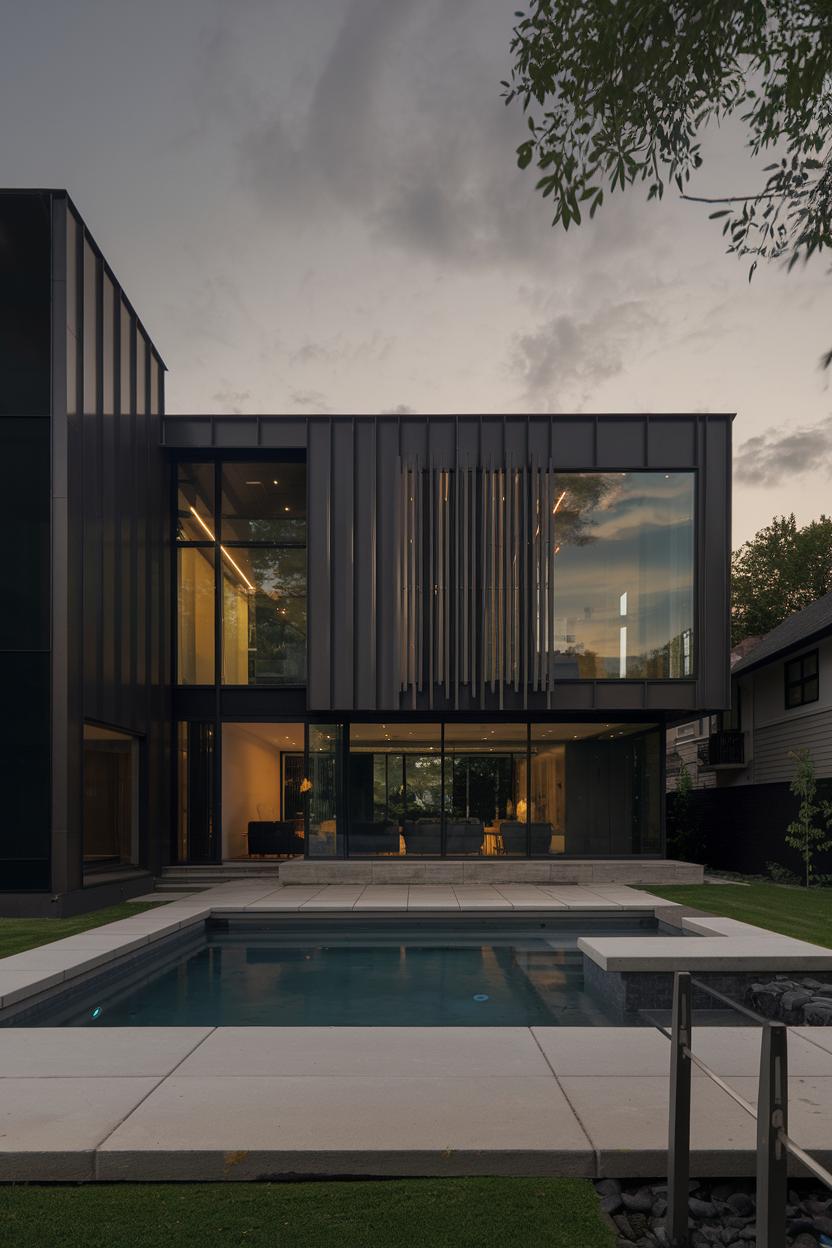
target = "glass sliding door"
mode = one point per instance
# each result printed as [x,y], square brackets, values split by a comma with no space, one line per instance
[323,786]
[395,789]
[486,789]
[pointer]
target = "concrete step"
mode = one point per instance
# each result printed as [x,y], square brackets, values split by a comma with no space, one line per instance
[194,877]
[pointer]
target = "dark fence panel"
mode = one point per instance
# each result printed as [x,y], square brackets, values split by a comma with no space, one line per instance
[740,828]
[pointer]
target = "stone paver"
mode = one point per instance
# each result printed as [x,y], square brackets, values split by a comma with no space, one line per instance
[469,1125]
[810,1111]
[344,1052]
[49,1129]
[15,985]
[162,897]
[73,1052]
[627,1119]
[335,897]
[383,897]
[431,897]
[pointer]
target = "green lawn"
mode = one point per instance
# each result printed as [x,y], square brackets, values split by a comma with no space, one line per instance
[400,1213]
[19,934]
[800,912]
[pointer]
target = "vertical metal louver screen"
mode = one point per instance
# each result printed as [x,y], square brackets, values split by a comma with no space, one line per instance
[477,580]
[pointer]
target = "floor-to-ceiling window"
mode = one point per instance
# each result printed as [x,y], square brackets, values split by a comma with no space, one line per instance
[486,789]
[395,789]
[241,539]
[262,806]
[497,789]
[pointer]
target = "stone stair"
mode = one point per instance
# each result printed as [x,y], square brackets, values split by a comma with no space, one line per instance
[193,877]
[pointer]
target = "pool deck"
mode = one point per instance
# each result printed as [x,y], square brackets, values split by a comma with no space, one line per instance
[248,1103]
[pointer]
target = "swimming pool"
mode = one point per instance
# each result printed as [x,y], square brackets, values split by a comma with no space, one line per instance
[431,974]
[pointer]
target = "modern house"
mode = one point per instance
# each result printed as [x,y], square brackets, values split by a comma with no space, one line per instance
[239,637]
[741,761]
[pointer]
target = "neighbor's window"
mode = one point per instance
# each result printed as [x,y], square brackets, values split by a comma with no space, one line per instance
[623,574]
[802,680]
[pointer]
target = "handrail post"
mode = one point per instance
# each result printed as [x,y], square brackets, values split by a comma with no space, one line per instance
[772,1119]
[678,1144]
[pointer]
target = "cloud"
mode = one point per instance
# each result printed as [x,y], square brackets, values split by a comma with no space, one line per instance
[402,129]
[780,455]
[562,362]
[311,400]
[230,400]
[401,409]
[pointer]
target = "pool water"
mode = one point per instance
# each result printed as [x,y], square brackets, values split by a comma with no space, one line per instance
[434,979]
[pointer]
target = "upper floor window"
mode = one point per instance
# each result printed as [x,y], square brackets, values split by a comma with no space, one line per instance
[623,574]
[802,680]
[241,533]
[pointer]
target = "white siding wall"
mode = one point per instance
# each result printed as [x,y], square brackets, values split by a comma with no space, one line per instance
[774,731]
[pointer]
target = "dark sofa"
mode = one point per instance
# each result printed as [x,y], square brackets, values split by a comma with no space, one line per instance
[273,836]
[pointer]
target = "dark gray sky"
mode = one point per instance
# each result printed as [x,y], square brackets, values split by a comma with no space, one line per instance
[315,206]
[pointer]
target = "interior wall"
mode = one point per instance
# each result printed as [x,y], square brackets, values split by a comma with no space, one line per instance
[250,786]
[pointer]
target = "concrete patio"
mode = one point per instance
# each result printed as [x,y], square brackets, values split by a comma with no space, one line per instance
[246,1103]
[249,1103]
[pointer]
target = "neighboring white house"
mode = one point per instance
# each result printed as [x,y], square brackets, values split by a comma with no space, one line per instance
[781,696]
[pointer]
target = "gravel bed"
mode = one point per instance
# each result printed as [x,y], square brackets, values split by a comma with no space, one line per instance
[719,1212]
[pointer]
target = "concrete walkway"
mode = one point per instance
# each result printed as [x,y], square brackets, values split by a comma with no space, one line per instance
[247,1103]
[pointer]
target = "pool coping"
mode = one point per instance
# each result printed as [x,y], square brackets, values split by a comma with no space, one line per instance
[722,944]
[140,1121]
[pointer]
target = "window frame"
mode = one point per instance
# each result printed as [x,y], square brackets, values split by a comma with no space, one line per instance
[799,682]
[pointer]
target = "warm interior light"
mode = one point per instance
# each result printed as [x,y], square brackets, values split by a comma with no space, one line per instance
[233,563]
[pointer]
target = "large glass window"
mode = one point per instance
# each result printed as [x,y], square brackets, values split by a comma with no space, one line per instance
[264,503]
[195,632]
[195,502]
[395,789]
[486,789]
[264,615]
[259,542]
[623,575]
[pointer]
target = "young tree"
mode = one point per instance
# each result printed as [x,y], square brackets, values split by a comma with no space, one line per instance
[809,832]
[618,92]
[781,570]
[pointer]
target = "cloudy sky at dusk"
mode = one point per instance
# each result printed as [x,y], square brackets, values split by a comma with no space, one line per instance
[316,207]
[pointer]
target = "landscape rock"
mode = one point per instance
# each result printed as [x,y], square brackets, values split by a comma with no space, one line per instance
[640,1202]
[741,1204]
[817,1015]
[701,1208]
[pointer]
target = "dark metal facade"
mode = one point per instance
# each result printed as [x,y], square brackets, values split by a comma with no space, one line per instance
[100,391]
[373,647]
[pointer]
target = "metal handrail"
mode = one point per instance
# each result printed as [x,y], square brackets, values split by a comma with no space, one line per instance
[771,1115]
